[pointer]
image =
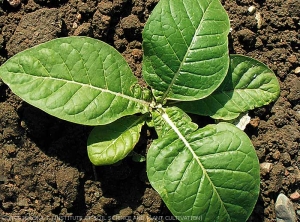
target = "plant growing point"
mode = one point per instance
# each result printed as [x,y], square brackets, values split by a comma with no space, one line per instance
[209,173]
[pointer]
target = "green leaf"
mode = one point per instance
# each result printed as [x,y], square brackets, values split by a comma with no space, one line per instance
[249,84]
[162,128]
[209,174]
[78,79]
[185,49]
[110,143]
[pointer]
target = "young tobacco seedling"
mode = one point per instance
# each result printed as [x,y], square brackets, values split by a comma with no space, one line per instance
[207,174]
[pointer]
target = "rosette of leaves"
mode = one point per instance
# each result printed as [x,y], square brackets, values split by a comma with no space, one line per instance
[202,174]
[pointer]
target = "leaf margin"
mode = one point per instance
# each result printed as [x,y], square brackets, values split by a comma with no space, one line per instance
[136,102]
[213,105]
[162,185]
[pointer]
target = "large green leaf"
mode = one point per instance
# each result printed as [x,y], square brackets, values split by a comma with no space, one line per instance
[249,84]
[110,143]
[185,49]
[78,79]
[209,174]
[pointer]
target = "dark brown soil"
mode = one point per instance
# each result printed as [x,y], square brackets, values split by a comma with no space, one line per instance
[44,169]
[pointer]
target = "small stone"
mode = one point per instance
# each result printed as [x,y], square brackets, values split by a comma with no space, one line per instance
[74,26]
[23,124]
[297,70]
[266,167]
[259,20]
[276,155]
[251,9]
[292,59]
[79,16]
[243,121]
[285,211]
[295,196]
[14,3]
[97,194]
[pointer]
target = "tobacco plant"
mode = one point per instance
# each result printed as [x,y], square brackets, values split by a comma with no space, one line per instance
[202,174]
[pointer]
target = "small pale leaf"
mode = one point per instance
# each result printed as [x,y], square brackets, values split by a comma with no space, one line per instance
[249,84]
[209,174]
[79,79]
[185,49]
[113,142]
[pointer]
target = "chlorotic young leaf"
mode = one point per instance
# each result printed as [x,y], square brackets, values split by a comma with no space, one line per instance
[185,49]
[209,174]
[79,79]
[249,84]
[110,143]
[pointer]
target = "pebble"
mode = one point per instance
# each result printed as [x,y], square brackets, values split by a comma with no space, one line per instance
[276,155]
[295,196]
[242,121]
[285,211]
[297,70]
[14,3]
[74,26]
[292,59]
[251,10]
[266,167]
[79,17]
[259,20]
[97,194]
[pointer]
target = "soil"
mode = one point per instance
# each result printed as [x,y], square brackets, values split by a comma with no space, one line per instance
[44,169]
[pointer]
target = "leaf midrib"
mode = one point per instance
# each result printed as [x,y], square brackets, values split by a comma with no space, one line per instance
[165,116]
[145,103]
[184,58]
